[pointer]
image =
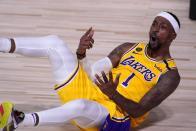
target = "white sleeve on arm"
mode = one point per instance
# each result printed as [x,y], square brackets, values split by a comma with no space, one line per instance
[104,64]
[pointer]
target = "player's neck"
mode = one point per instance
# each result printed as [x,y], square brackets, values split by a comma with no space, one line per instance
[160,54]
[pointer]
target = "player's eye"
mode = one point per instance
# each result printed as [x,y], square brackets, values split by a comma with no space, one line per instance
[164,27]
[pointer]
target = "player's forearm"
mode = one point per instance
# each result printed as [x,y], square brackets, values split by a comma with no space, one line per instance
[130,107]
[103,64]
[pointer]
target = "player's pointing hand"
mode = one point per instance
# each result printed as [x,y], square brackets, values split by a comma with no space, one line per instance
[86,42]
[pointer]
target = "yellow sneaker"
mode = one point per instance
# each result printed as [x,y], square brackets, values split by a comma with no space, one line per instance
[5,113]
[9,117]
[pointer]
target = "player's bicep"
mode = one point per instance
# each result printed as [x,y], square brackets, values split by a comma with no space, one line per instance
[118,52]
[166,86]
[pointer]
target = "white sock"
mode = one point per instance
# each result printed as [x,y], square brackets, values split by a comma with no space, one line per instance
[5,45]
[29,120]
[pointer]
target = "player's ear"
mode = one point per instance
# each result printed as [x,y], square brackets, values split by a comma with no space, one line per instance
[173,36]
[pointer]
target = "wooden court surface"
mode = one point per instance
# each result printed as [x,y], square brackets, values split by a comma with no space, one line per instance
[29,84]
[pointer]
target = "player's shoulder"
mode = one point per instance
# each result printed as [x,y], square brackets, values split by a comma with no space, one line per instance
[172,76]
[126,46]
[118,52]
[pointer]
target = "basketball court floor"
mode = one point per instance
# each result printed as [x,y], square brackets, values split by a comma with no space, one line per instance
[28,82]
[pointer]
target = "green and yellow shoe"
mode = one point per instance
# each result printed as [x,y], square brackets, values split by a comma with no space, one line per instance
[9,118]
[5,113]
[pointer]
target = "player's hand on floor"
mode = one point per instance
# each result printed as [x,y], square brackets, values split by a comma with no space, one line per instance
[107,86]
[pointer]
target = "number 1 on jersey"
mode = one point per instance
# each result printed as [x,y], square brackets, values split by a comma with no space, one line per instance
[125,83]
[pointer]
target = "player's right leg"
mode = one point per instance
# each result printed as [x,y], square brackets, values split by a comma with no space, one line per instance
[85,113]
[63,61]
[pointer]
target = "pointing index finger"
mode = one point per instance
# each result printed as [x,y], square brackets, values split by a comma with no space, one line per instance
[88,31]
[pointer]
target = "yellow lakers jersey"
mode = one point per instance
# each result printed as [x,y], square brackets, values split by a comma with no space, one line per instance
[139,73]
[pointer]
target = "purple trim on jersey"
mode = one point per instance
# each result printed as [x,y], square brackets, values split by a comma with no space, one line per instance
[111,125]
[68,79]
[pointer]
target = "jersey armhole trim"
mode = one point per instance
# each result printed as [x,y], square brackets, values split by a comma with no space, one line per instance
[172,68]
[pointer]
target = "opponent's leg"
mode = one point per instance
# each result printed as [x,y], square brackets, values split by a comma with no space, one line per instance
[62,59]
[85,113]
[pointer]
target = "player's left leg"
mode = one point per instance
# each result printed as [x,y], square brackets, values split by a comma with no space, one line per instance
[86,113]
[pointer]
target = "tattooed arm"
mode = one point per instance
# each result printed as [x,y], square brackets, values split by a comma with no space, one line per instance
[166,86]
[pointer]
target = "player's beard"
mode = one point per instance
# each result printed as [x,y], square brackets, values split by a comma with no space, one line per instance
[154,43]
[154,48]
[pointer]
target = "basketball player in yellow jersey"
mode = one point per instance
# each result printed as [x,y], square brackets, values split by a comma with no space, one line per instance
[141,77]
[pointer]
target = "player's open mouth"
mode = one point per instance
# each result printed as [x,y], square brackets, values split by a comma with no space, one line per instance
[153,38]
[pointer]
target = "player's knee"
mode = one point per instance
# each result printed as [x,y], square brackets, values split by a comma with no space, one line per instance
[55,41]
[78,106]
